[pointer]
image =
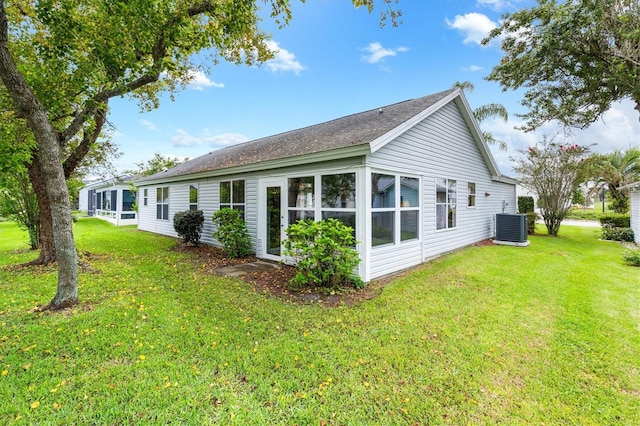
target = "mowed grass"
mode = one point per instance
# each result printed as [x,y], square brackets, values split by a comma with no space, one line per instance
[495,334]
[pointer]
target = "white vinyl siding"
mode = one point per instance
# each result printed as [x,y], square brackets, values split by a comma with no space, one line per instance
[440,146]
[635,213]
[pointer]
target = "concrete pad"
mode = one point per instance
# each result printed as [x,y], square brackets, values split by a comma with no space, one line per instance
[246,268]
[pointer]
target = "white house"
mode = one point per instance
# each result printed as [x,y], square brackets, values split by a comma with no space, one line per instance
[415,179]
[111,200]
[634,204]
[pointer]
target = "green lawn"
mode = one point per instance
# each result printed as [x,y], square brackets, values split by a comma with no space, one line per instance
[548,334]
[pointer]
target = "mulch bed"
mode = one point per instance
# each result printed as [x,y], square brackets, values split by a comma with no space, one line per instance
[275,282]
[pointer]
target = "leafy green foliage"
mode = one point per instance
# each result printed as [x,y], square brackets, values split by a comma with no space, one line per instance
[614,171]
[188,224]
[575,58]
[231,232]
[616,227]
[553,171]
[323,253]
[532,217]
[618,234]
[155,165]
[18,202]
[632,257]
[525,204]
[615,220]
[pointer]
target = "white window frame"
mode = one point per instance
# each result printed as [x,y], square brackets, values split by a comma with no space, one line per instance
[194,205]
[471,194]
[448,204]
[231,204]
[161,202]
[400,206]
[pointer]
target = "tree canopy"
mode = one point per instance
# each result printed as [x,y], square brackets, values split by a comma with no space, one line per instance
[574,58]
[61,62]
[614,171]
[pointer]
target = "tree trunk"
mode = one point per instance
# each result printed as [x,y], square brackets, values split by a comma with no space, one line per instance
[47,249]
[49,155]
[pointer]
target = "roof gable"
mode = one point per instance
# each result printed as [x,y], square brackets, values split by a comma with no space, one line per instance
[369,130]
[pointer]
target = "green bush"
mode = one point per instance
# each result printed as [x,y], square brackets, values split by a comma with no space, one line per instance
[188,225]
[525,204]
[615,220]
[323,254]
[632,257]
[232,233]
[531,222]
[616,227]
[617,234]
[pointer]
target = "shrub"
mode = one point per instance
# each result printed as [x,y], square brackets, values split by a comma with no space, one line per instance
[323,253]
[616,227]
[525,204]
[188,225]
[615,220]
[618,234]
[232,233]
[632,257]
[531,222]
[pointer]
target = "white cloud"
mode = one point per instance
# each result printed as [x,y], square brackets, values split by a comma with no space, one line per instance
[618,129]
[182,138]
[149,125]
[474,26]
[377,53]
[474,68]
[195,79]
[283,61]
[198,80]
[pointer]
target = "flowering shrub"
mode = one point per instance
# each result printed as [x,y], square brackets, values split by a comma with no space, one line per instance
[553,171]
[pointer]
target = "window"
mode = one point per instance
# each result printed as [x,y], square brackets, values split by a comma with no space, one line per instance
[162,203]
[338,195]
[395,215]
[445,203]
[409,208]
[114,200]
[471,194]
[106,200]
[145,195]
[193,197]
[232,195]
[128,200]
[301,198]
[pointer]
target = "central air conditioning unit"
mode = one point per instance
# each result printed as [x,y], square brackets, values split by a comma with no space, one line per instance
[511,229]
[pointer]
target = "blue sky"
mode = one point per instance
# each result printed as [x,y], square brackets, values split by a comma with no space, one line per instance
[334,60]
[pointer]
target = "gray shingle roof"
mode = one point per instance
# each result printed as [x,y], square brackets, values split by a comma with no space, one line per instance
[352,130]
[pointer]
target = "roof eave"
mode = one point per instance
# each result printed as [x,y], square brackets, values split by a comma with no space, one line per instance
[316,157]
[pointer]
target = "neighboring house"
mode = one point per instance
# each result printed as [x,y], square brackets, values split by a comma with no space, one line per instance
[111,200]
[634,204]
[415,179]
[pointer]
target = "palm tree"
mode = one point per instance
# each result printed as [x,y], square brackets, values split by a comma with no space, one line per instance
[615,170]
[485,112]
